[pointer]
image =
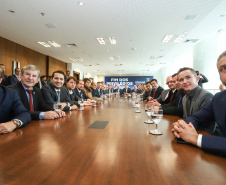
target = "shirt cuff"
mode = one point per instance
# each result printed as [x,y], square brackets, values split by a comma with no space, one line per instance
[199,141]
[41,115]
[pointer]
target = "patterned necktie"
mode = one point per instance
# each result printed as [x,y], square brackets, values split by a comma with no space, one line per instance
[58,96]
[31,102]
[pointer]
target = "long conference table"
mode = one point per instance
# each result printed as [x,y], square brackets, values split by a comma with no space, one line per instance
[65,151]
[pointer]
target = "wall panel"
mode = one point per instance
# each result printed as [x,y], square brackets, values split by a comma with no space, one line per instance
[11,51]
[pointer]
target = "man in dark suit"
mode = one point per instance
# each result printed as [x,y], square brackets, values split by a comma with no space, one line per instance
[54,92]
[214,111]
[118,90]
[156,89]
[168,95]
[126,89]
[134,88]
[147,93]
[175,107]
[13,114]
[14,78]
[4,79]
[31,96]
[79,90]
[98,92]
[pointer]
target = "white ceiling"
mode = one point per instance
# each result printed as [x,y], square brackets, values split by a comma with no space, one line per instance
[138,24]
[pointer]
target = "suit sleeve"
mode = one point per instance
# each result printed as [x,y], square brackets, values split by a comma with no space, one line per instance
[10,80]
[46,94]
[204,79]
[19,111]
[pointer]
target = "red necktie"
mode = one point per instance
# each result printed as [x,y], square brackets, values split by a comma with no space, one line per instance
[154,94]
[31,103]
[171,98]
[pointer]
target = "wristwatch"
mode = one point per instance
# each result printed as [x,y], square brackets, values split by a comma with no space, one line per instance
[17,123]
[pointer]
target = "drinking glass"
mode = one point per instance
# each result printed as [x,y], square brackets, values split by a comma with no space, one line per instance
[81,103]
[137,105]
[57,106]
[95,103]
[149,110]
[157,117]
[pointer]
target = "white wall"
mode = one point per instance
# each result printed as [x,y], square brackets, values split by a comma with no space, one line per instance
[82,70]
[205,57]
[184,60]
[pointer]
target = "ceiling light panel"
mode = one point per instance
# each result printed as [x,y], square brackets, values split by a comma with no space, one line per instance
[54,44]
[101,40]
[167,38]
[112,40]
[51,25]
[44,44]
[179,38]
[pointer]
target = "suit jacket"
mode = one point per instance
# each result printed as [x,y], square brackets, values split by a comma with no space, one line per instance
[146,95]
[128,90]
[4,81]
[12,80]
[120,91]
[84,96]
[157,92]
[96,93]
[50,96]
[200,99]
[165,96]
[214,111]
[11,107]
[39,104]
[73,97]
[175,107]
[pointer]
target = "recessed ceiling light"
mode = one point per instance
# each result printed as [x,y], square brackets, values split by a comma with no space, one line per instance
[112,40]
[73,59]
[118,58]
[51,25]
[167,38]
[54,44]
[111,58]
[44,44]
[190,17]
[179,38]
[11,11]
[80,3]
[80,59]
[152,57]
[101,40]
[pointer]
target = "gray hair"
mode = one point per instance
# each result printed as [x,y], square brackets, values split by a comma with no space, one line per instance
[31,68]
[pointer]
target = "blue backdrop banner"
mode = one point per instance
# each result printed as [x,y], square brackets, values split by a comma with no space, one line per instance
[130,80]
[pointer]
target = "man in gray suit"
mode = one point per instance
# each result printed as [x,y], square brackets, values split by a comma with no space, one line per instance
[195,97]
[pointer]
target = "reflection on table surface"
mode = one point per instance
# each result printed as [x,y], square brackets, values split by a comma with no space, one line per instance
[65,151]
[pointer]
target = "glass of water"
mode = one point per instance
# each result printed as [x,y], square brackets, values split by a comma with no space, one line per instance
[157,117]
[149,110]
[57,106]
[81,103]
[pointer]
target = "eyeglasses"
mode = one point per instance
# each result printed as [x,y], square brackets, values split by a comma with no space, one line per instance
[170,82]
[222,69]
